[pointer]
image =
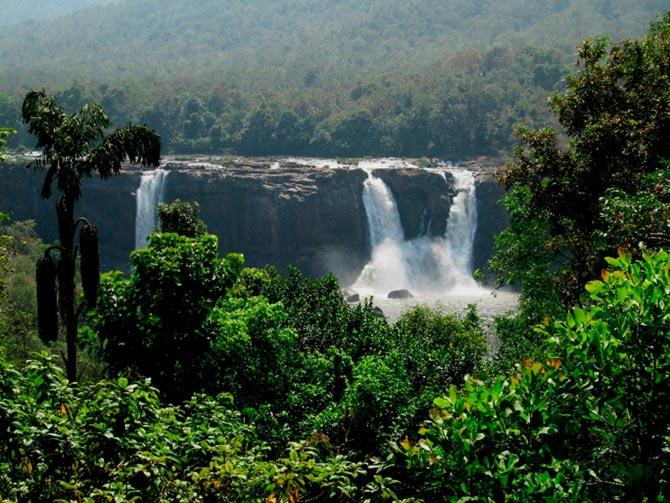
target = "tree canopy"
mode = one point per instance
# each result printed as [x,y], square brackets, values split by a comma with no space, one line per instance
[287,43]
[615,112]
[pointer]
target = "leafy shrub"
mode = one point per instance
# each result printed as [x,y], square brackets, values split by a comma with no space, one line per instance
[323,319]
[182,218]
[19,249]
[438,349]
[114,441]
[153,322]
[378,404]
[254,354]
[388,394]
[588,422]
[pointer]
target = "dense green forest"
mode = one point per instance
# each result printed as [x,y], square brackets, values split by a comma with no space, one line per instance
[447,79]
[467,105]
[195,378]
[281,42]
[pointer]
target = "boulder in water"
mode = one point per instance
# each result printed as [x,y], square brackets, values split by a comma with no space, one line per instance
[354,297]
[400,294]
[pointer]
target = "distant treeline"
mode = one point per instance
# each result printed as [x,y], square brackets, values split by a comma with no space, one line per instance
[464,106]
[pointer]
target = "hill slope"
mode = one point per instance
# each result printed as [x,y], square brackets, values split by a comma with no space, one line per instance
[278,39]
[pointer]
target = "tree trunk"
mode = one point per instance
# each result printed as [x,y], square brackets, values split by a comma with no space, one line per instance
[65,210]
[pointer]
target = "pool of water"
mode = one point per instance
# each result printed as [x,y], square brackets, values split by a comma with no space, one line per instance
[490,304]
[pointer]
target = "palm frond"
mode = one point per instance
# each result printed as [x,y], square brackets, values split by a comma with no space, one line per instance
[88,124]
[137,144]
[43,118]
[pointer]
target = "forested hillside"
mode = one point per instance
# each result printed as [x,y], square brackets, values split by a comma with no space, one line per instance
[29,10]
[296,40]
[314,77]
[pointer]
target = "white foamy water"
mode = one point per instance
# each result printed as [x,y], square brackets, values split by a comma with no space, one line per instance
[461,229]
[150,194]
[425,264]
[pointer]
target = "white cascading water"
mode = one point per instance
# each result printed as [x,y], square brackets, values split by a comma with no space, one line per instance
[386,269]
[149,195]
[425,264]
[461,227]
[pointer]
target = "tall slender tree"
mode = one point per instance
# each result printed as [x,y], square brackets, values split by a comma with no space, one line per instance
[75,146]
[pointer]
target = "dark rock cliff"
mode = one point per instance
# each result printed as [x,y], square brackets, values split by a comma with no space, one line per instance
[423,198]
[110,205]
[289,214]
[492,219]
[311,218]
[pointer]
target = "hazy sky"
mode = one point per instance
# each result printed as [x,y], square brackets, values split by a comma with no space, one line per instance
[16,11]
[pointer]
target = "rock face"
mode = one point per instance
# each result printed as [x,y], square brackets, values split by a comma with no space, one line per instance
[313,219]
[109,205]
[492,219]
[423,197]
[275,213]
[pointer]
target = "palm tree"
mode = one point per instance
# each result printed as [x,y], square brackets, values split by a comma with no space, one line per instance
[74,146]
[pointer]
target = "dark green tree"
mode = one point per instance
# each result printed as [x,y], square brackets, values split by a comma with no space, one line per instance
[182,218]
[4,133]
[155,322]
[615,113]
[75,146]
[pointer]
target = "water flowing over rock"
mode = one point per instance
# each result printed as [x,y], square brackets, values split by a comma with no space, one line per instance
[426,263]
[462,227]
[150,194]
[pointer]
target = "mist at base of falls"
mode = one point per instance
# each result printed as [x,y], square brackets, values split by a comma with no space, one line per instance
[427,264]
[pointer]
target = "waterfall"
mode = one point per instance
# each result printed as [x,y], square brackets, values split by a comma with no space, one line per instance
[386,270]
[426,263]
[381,211]
[462,226]
[149,195]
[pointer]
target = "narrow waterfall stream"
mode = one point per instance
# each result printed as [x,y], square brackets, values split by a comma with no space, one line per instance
[386,270]
[426,264]
[461,227]
[150,194]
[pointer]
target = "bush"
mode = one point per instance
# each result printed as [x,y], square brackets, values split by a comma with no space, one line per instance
[440,349]
[154,322]
[182,218]
[114,441]
[323,319]
[589,422]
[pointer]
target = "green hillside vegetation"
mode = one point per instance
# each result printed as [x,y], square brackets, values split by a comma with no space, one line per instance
[314,77]
[287,41]
[463,106]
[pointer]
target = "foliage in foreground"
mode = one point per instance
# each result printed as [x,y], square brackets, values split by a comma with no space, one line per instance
[114,441]
[19,249]
[590,421]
